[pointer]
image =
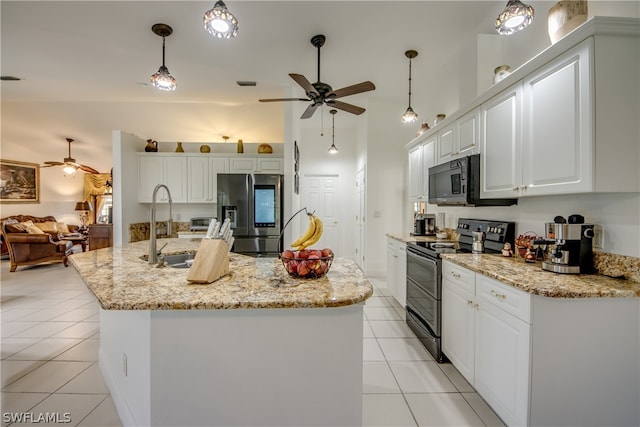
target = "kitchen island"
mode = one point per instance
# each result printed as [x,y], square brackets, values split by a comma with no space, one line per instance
[256,347]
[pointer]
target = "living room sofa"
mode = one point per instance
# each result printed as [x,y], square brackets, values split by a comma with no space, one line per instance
[28,246]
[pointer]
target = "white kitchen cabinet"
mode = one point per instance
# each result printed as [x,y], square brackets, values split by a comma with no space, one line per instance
[242,164]
[460,138]
[203,177]
[501,120]
[557,143]
[458,318]
[486,335]
[428,160]
[170,170]
[397,270]
[270,165]
[264,165]
[415,173]
[502,349]
[446,149]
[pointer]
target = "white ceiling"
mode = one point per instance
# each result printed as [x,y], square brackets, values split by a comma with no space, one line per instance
[85,65]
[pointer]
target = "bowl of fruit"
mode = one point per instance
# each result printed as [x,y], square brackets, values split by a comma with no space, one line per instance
[307,263]
[303,262]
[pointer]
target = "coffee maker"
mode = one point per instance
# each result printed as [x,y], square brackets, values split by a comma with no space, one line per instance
[424,225]
[573,252]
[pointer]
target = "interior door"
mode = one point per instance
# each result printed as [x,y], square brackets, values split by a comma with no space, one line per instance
[320,194]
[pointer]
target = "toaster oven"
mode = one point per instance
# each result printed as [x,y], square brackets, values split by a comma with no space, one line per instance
[200,223]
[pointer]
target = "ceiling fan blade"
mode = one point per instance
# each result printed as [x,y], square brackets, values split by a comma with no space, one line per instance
[310,110]
[283,99]
[51,163]
[87,169]
[305,84]
[352,90]
[349,108]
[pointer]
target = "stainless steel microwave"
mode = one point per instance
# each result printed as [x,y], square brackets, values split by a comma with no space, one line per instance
[457,183]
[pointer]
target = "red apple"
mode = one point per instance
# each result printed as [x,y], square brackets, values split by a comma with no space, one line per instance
[292,266]
[326,252]
[303,254]
[303,269]
[288,254]
[315,252]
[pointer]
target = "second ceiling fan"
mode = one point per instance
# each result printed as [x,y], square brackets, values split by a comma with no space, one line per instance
[320,93]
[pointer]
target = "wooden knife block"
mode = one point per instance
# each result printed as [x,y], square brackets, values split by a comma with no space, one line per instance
[210,263]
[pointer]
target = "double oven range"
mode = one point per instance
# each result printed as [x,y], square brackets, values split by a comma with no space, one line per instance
[424,276]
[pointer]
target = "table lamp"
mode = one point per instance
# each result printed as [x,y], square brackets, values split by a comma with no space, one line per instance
[84,207]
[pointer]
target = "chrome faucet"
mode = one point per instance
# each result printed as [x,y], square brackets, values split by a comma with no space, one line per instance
[153,255]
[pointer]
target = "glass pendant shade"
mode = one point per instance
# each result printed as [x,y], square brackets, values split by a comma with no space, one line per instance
[515,17]
[69,169]
[221,23]
[333,149]
[410,116]
[163,80]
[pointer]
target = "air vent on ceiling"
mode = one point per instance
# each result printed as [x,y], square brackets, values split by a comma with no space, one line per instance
[245,83]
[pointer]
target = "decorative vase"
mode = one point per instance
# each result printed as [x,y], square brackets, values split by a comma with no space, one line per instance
[205,148]
[240,147]
[439,117]
[151,147]
[265,149]
[179,148]
[564,17]
[500,73]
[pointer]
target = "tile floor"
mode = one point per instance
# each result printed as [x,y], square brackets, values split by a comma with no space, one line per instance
[50,339]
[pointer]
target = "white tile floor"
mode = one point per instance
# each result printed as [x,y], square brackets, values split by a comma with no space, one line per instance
[50,339]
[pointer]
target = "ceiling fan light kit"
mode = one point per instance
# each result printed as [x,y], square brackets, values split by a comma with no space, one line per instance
[69,163]
[163,80]
[410,116]
[221,23]
[516,16]
[320,93]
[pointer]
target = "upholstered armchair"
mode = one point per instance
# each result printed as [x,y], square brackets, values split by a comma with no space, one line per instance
[28,246]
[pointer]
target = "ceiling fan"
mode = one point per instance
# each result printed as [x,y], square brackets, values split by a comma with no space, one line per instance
[70,162]
[322,93]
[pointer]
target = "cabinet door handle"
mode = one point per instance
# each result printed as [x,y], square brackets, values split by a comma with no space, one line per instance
[497,295]
[469,302]
[476,306]
[456,275]
[515,188]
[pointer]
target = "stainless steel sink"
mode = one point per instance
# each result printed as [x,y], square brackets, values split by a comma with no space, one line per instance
[179,260]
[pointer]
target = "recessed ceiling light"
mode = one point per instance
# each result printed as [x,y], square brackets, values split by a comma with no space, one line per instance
[10,78]
[246,83]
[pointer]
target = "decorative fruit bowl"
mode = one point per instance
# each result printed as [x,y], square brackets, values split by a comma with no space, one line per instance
[307,263]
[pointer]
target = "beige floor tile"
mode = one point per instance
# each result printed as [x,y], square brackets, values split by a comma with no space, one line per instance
[404,349]
[462,385]
[48,378]
[89,381]
[44,329]
[85,351]
[105,415]
[442,409]
[388,410]
[46,349]
[11,346]
[16,403]
[80,330]
[483,410]
[421,377]
[69,409]
[371,350]
[391,329]
[378,378]
[13,370]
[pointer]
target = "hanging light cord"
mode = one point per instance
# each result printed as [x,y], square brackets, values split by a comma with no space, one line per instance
[410,82]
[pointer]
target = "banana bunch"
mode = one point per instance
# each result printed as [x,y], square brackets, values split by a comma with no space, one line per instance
[311,235]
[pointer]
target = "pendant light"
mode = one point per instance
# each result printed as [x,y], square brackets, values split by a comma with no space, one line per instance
[410,116]
[162,79]
[333,149]
[515,17]
[220,23]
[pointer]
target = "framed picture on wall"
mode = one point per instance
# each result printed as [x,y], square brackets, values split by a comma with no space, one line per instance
[19,182]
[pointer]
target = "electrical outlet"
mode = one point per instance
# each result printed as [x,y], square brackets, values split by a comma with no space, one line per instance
[124,364]
[598,237]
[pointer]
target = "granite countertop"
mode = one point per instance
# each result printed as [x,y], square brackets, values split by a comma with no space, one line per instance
[531,278]
[121,280]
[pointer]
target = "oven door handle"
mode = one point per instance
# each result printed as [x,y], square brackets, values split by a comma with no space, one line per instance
[420,257]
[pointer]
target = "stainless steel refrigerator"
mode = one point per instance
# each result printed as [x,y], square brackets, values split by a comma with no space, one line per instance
[253,203]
